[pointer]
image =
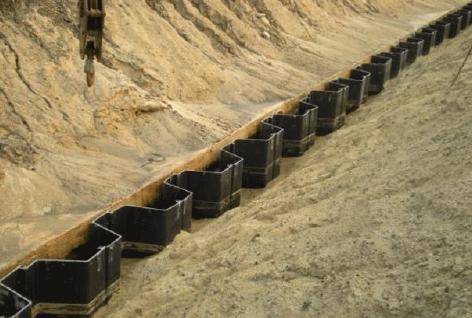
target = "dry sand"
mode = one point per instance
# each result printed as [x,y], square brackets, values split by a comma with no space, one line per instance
[374,221]
[177,75]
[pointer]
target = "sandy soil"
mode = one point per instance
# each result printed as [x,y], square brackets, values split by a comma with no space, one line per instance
[177,75]
[173,76]
[374,221]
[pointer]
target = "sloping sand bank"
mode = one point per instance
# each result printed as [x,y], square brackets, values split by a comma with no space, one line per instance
[177,76]
[374,221]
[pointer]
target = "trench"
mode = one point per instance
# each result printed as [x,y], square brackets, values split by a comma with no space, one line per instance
[89,273]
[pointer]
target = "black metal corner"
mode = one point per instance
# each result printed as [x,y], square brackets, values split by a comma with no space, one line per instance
[331,106]
[466,15]
[429,37]
[379,68]
[358,82]
[443,28]
[398,57]
[299,129]
[216,189]
[13,305]
[261,153]
[456,22]
[415,48]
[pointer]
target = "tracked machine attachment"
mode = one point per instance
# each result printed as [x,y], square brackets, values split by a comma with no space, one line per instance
[91,23]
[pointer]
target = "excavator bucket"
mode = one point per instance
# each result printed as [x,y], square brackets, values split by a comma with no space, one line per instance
[91,24]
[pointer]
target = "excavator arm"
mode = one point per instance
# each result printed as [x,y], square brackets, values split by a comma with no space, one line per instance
[91,24]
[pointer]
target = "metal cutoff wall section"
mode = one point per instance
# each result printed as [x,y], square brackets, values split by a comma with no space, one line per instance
[90,274]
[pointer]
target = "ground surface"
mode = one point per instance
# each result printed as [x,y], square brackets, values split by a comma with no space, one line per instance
[374,221]
[177,75]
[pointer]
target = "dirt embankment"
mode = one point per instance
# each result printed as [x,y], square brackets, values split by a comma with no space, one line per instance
[176,76]
[374,221]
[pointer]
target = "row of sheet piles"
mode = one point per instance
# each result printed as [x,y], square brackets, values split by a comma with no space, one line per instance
[79,284]
[381,68]
[84,281]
